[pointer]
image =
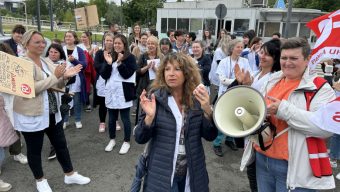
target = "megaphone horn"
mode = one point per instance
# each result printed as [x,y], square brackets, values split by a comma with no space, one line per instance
[240,111]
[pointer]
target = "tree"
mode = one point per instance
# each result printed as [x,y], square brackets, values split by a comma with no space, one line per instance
[68,16]
[143,11]
[102,6]
[32,7]
[82,4]
[113,15]
[323,5]
[60,7]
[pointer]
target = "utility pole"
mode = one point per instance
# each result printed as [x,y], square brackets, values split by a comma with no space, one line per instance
[289,14]
[38,15]
[121,14]
[75,20]
[51,13]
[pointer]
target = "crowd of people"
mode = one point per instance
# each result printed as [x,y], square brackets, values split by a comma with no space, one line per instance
[171,86]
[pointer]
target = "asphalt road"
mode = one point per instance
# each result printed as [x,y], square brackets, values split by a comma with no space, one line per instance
[111,172]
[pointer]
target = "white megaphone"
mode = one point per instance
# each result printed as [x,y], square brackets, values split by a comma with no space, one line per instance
[240,111]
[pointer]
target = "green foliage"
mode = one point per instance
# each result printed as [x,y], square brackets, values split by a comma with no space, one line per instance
[323,5]
[32,7]
[3,12]
[68,16]
[142,11]
[271,3]
[113,15]
[60,7]
[82,4]
[102,7]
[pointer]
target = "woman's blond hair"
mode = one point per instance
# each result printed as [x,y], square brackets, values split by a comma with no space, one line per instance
[27,37]
[191,72]
[155,41]
[224,44]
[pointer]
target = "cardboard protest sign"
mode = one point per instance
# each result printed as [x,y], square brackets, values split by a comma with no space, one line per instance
[16,76]
[86,17]
[81,19]
[92,15]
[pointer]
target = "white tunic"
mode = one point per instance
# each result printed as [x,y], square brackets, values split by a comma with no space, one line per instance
[225,71]
[100,86]
[213,77]
[114,94]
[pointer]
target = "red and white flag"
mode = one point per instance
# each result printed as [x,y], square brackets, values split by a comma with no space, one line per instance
[327,29]
[328,117]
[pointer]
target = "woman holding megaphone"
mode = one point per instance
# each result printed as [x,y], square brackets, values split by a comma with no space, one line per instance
[297,159]
[176,159]
[269,56]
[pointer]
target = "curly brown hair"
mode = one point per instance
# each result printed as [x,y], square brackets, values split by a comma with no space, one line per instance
[191,74]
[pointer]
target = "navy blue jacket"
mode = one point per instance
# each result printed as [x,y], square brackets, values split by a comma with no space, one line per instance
[13,45]
[81,60]
[126,69]
[162,133]
[204,63]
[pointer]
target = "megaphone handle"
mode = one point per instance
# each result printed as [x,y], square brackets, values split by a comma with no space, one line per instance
[261,143]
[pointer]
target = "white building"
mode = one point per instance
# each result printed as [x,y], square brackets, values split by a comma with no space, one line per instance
[242,15]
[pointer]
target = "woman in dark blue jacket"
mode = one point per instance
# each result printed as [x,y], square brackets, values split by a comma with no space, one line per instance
[75,55]
[175,118]
[119,71]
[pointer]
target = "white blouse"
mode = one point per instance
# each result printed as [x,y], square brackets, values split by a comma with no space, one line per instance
[76,86]
[258,83]
[179,121]
[37,123]
[114,93]
[225,71]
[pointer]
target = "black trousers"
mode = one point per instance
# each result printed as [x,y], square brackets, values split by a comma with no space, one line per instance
[102,108]
[34,142]
[251,173]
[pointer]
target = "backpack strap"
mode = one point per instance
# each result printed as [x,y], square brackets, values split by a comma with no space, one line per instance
[319,82]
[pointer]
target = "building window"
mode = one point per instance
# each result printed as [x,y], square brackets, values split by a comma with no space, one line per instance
[164,25]
[183,24]
[271,28]
[304,31]
[172,23]
[292,30]
[241,25]
[260,29]
[195,25]
[210,24]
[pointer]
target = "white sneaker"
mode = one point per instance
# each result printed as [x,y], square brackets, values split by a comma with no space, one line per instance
[66,124]
[43,186]
[338,176]
[125,148]
[110,146]
[21,158]
[76,178]
[118,127]
[333,163]
[79,125]
[4,186]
